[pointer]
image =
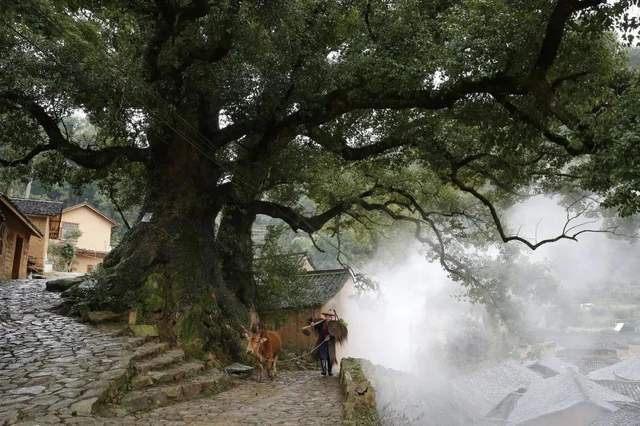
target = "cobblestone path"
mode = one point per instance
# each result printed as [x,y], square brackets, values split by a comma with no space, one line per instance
[53,369]
[50,366]
[293,398]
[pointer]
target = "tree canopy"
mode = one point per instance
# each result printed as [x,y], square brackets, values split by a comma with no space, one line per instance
[432,112]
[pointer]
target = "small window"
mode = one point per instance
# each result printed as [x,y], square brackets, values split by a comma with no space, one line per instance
[70,230]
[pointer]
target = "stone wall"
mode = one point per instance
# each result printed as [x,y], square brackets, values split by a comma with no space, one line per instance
[359,395]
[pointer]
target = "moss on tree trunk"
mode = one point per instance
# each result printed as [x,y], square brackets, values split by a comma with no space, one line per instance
[236,252]
[169,268]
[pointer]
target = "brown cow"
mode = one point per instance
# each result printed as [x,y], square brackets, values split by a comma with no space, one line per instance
[265,345]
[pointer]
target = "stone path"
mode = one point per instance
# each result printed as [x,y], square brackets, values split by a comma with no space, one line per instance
[51,367]
[293,398]
[53,370]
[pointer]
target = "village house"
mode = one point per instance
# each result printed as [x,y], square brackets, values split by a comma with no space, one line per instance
[566,399]
[622,377]
[320,291]
[16,232]
[46,216]
[94,241]
[481,391]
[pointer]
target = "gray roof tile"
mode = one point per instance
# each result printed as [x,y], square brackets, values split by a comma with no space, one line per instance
[316,288]
[38,207]
[630,389]
[561,392]
[628,415]
[627,369]
[482,390]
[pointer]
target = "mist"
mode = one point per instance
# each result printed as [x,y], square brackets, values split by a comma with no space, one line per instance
[411,312]
[437,359]
[593,258]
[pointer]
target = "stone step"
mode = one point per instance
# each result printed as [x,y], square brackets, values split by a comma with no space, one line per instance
[158,362]
[150,349]
[136,342]
[173,374]
[213,381]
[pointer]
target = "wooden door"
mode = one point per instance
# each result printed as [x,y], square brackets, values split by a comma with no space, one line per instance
[17,259]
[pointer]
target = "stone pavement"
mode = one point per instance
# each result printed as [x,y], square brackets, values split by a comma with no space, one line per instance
[52,368]
[293,398]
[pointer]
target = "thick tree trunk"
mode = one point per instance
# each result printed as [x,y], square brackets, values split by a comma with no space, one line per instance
[169,267]
[236,252]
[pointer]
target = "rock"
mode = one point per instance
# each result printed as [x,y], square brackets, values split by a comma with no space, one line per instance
[190,390]
[359,407]
[141,381]
[78,290]
[99,317]
[173,392]
[84,407]
[31,390]
[239,370]
[144,330]
[63,284]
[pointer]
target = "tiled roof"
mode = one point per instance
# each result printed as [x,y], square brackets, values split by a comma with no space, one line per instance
[506,406]
[91,253]
[627,415]
[315,289]
[38,207]
[627,369]
[95,210]
[587,365]
[562,392]
[482,390]
[630,389]
[15,210]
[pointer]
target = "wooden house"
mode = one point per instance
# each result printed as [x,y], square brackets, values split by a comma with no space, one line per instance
[16,232]
[46,216]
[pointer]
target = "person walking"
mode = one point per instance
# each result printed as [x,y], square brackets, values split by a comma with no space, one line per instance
[324,344]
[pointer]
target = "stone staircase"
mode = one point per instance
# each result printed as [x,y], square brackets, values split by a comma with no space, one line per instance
[162,376]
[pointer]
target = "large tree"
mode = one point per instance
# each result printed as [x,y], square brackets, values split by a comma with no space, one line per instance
[234,109]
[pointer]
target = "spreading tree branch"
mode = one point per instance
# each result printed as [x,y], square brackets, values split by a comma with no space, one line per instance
[298,221]
[340,146]
[554,32]
[566,233]
[92,159]
[569,146]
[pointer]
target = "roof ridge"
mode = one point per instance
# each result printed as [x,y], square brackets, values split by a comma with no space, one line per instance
[21,215]
[93,208]
[581,387]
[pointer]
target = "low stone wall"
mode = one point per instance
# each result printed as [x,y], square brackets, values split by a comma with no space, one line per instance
[359,395]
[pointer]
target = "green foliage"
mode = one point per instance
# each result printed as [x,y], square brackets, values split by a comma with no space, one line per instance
[62,254]
[426,112]
[634,58]
[277,272]
[71,235]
